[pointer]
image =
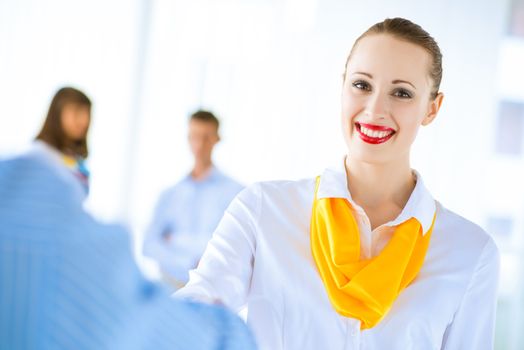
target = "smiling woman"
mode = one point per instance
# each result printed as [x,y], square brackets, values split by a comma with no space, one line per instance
[390,99]
[362,256]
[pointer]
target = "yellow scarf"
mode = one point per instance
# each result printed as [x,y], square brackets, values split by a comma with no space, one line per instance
[363,289]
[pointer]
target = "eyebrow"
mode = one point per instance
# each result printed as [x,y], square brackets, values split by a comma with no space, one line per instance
[396,81]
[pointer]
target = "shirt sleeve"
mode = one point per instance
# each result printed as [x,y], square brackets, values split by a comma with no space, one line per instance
[155,246]
[224,272]
[474,322]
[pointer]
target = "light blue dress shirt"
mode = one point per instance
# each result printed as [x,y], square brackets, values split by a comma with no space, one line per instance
[184,220]
[69,282]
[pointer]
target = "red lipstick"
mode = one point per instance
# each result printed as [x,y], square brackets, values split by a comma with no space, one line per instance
[380,129]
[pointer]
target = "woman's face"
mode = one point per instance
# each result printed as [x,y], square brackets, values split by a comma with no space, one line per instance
[385,98]
[75,121]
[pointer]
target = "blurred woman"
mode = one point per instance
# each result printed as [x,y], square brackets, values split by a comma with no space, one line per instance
[64,133]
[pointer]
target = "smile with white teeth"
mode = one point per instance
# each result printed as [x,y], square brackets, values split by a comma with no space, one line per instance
[375,133]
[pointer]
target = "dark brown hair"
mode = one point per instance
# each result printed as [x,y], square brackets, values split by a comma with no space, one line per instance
[52,132]
[406,30]
[205,116]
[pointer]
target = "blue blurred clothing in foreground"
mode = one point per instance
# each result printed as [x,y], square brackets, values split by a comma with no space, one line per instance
[185,218]
[68,282]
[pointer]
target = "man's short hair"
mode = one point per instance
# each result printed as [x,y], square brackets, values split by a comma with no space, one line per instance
[205,116]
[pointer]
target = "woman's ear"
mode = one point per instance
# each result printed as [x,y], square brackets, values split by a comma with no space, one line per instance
[434,107]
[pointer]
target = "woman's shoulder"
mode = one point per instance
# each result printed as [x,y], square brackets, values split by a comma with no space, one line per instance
[462,235]
[286,185]
[282,188]
[279,195]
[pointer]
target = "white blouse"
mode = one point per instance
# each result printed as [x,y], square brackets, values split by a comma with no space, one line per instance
[260,255]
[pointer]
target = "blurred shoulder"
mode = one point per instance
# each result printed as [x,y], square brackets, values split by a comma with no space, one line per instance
[281,193]
[463,236]
[214,324]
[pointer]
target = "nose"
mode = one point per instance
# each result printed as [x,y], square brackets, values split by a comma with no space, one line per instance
[377,106]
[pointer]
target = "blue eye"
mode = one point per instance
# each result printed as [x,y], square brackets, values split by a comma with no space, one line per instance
[402,93]
[362,85]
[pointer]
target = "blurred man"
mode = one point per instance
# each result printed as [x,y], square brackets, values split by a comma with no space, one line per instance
[187,213]
[69,282]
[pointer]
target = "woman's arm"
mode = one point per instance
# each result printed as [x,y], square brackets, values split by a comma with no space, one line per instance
[224,272]
[474,322]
